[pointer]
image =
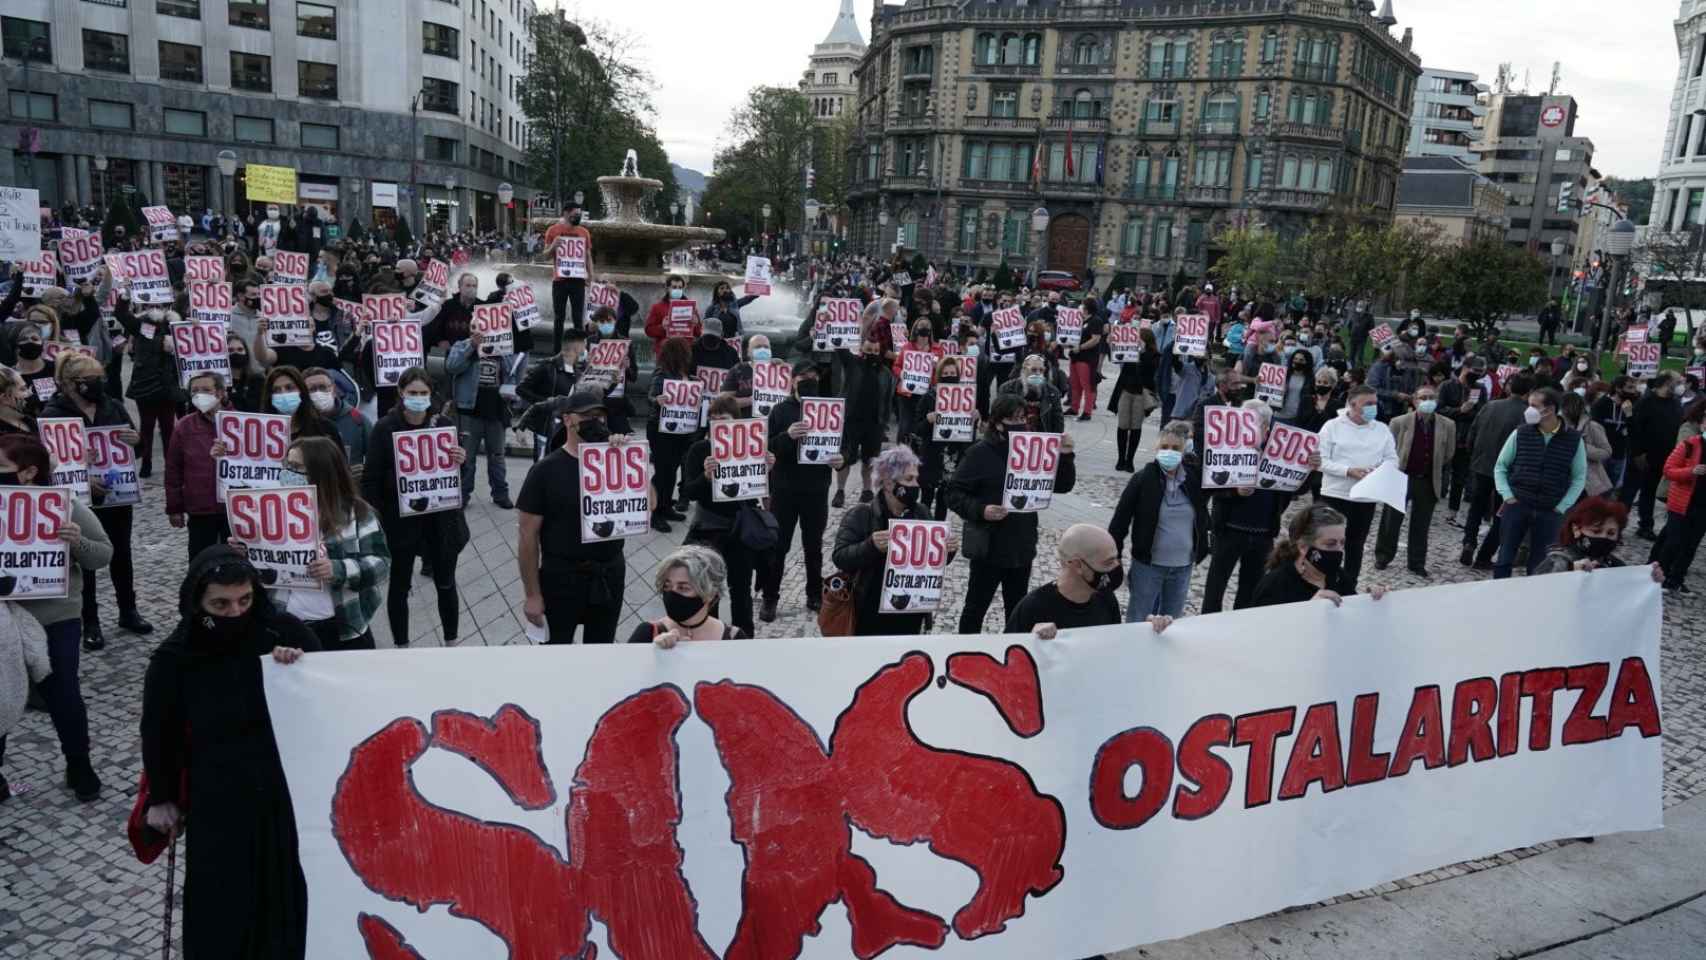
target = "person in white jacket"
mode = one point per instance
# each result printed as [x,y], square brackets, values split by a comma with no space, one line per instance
[1353,445]
[23,661]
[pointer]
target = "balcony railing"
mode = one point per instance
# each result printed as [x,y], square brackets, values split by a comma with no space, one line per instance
[1079,124]
[1217,128]
[1321,132]
[1208,194]
[1157,128]
[909,121]
[1293,198]
[1008,69]
[907,181]
[1075,188]
[1083,69]
[1000,123]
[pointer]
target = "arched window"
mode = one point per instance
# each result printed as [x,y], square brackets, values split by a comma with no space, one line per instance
[1012,49]
[1033,49]
[1253,167]
[1083,107]
[985,50]
[1140,175]
[1220,113]
[1087,52]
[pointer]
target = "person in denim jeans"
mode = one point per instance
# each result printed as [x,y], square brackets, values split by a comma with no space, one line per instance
[1540,474]
[1165,511]
[482,414]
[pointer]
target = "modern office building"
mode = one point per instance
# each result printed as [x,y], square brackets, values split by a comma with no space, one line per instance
[108,95]
[1444,192]
[1443,117]
[1146,128]
[1529,148]
[1679,196]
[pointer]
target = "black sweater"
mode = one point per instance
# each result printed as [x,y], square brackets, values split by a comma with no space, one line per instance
[977,484]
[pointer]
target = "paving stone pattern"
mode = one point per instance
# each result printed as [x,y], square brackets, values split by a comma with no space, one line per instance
[70,888]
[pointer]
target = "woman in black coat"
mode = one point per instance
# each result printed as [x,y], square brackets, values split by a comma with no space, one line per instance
[1134,396]
[862,544]
[714,522]
[244,892]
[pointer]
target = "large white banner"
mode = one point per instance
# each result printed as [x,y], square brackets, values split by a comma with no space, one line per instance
[1049,799]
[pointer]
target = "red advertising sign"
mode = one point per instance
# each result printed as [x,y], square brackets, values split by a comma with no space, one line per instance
[741,451]
[914,570]
[615,491]
[429,480]
[281,528]
[34,562]
[1032,459]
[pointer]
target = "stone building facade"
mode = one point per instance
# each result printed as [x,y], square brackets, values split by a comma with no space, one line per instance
[1145,127]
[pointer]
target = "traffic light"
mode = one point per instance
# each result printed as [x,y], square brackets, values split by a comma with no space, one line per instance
[1566,196]
[811,178]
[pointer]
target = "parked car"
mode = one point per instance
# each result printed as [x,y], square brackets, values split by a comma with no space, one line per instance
[1058,280]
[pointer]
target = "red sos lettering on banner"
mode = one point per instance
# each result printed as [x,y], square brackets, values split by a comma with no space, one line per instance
[1229,427]
[198,339]
[272,516]
[613,469]
[65,439]
[385,307]
[741,441]
[824,417]
[918,546]
[1034,453]
[254,437]
[35,516]
[402,337]
[284,300]
[420,451]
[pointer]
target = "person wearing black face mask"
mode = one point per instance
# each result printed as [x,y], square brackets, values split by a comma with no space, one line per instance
[690,581]
[1083,594]
[799,495]
[713,523]
[862,544]
[1592,532]
[243,882]
[1309,564]
[570,584]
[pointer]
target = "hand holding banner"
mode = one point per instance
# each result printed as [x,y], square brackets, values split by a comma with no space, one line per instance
[740,451]
[1387,484]
[606,366]
[40,275]
[435,282]
[80,253]
[758,276]
[917,367]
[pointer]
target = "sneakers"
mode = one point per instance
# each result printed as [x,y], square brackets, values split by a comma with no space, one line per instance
[839,500]
[132,620]
[93,639]
[767,612]
[80,777]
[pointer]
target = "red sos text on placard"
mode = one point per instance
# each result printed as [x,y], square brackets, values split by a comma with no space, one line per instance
[1033,454]
[612,469]
[266,516]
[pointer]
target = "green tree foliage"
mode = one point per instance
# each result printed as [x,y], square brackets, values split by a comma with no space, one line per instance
[1255,262]
[1480,283]
[771,140]
[829,161]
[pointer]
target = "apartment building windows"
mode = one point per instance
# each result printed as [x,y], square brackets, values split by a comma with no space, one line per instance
[254,14]
[439,40]
[439,96]
[251,71]
[180,61]
[26,39]
[316,20]
[109,52]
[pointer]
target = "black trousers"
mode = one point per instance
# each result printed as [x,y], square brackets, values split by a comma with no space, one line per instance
[570,292]
[330,636]
[402,580]
[1422,502]
[1681,541]
[1248,552]
[1459,474]
[810,511]
[117,522]
[207,530]
[1640,488]
[668,449]
[590,601]
[1359,519]
[980,591]
[1483,497]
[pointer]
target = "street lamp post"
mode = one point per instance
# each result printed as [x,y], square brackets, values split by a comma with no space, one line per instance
[506,195]
[764,230]
[674,213]
[101,168]
[450,203]
[1617,246]
[1552,281]
[227,161]
[1039,227]
[882,225]
[812,210]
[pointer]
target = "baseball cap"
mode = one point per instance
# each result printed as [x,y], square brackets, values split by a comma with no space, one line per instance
[582,401]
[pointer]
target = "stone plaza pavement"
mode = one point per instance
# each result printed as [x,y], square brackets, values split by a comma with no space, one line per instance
[70,888]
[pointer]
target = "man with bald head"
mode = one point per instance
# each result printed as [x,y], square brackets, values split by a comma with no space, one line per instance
[1082,593]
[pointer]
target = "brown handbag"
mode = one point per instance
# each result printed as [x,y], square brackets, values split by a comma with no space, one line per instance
[836,618]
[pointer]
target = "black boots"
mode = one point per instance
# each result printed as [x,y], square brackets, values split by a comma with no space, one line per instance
[1127,441]
[80,777]
[132,620]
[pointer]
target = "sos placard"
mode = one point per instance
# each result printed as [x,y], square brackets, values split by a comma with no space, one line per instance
[741,450]
[522,305]
[1270,385]
[281,528]
[916,369]
[571,258]
[678,406]
[210,301]
[1191,336]
[683,314]
[712,378]
[493,320]
[200,348]
[915,568]
[385,307]
[1069,326]
[428,477]
[841,326]
[1381,335]
[1285,460]
[114,461]
[1009,327]
[40,275]
[956,412]
[145,272]
[603,295]
[80,253]
[435,280]
[162,226]
[200,269]
[1232,447]
[34,562]
[284,306]
[606,366]
[1032,459]
[1125,343]
[771,383]
[825,419]
[615,491]
[397,346]
[757,276]
[288,267]
[1644,359]
[255,444]
[66,440]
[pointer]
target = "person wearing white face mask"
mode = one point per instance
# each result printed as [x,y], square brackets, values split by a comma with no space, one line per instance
[192,496]
[1426,443]
[1354,445]
[353,429]
[1540,473]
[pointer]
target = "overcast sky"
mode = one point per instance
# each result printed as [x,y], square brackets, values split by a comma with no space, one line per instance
[1618,59]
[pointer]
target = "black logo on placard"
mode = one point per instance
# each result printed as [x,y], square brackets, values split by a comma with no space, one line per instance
[269,576]
[1267,482]
[418,504]
[837,341]
[943,433]
[603,528]
[899,601]
[281,338]
[1019,501]
[1220,477]
[730,489]
[7,585]
[811,454]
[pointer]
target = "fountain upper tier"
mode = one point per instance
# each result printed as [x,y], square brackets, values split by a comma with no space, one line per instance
[625,240]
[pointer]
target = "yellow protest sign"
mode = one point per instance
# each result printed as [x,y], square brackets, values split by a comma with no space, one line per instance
[270,184]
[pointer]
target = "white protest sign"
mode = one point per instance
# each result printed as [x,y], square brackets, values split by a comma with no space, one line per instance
[1270,385]
[956,412]
[284,306]
[1285,460]
[492,321]
[771,383]
[255,444]
[162,226]
[606,365]
[522,305]
[917,367]
[683,314]
[1387,484]
[435,280]
[65,439]
[571,254]
[1505,372]
[384,307]
[145,273]
[1381,335]
[80,253]
[1069,326]
[210,301]
[1644,359]
[902,279]
[40,275]
[712,378]
[428,478]
[1009,328]
[281,529]
[1032,459]
[757,276]
[200,348]
[114,462]
[1042,779]
[678,406]
[34,562]
[615,485]
[1191,335]
[352,312]
[897,332]
[741,449]
[1125,343]
[288,267]
[201,269]
[603,295]
[826,420]
[915,568]
[1635,334]
[842,330]
[20,225]
[397,346]
[1232,447]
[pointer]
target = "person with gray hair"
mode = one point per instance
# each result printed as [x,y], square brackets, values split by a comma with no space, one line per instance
[1165,512]
[690,582]
[862,543]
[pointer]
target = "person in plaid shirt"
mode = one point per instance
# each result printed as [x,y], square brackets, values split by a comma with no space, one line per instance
[356,560]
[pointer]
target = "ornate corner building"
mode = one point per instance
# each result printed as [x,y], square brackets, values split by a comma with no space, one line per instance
[1146,127]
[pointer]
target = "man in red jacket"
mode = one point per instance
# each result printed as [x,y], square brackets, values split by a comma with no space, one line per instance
[672,315]
[572,265]
[190,472]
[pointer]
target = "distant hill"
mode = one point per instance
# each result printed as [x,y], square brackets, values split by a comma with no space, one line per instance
[691,180]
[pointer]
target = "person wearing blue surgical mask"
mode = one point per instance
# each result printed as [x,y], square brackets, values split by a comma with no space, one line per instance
[1354,445]
[286,392]
[1164,512]
[1426,443]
